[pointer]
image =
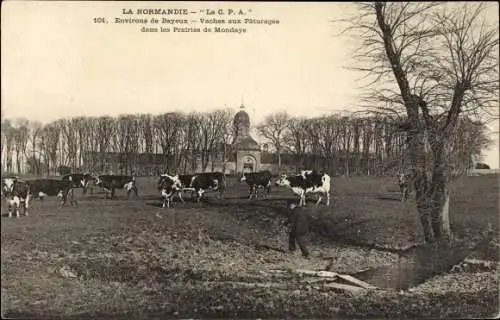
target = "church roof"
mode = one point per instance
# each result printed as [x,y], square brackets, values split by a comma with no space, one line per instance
[241,116]
[246,143]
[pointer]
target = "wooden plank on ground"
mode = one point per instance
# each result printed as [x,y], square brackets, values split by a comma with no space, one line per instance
[325,274]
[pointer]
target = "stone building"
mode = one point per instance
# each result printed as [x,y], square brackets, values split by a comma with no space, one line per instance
[247,150]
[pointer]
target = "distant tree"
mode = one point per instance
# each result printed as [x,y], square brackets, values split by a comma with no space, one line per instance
[167,128]
[274,130]
[8,135]
[21,134]
[35,128]
[296,138]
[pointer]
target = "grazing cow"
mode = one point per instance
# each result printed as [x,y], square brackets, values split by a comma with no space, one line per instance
[41,188]
[307,181]
[403,182]
[16,192]
[80,180]
[111,182]
[168,186]
[255,180]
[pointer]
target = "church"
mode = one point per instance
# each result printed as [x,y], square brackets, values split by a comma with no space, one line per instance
[247,152]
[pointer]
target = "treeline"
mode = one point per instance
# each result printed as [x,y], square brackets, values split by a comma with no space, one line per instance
[186,141]
[346,145]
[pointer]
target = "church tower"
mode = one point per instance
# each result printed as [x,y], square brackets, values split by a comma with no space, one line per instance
[248,153]
[241,124]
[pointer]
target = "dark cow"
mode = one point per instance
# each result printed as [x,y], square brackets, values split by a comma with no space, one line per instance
[256,180]
[168,186]
[209,181]
[41,188]
[111,182]
[80,180]
[404,183]
[17,193]
[308,181]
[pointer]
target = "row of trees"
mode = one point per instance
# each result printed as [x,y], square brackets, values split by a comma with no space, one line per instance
[372,144]
[42,149]
[339,144]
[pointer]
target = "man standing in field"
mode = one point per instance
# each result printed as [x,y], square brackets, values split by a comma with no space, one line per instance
[298,228]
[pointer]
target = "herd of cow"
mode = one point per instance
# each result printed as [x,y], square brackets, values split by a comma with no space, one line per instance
[18,192]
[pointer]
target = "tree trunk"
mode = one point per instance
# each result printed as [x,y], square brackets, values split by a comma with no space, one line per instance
[439,194]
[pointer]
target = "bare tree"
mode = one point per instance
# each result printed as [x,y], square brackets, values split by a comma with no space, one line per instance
[8,131]
[34,132]
[274,129]
[167,128]
[345,126]
[436,61]
[126,142]
[146,125]
[471,139]
[296,139]
[49,144]
[212,133]
[20,142]
[192,134]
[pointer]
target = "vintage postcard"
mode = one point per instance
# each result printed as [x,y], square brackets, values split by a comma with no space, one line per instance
[249,159]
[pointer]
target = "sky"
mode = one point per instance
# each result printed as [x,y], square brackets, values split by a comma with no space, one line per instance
[56,62]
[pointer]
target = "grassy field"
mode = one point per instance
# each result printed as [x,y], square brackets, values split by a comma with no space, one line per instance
[134,259]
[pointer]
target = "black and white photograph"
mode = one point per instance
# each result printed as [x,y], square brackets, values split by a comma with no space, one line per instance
[249,160]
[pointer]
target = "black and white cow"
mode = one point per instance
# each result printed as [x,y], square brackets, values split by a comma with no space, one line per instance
[16,193]
[200,183]
[308,181]
[168,186]
[41,188]
[80,180]
[257,180]
[111,182]
[404,184]
[209,181]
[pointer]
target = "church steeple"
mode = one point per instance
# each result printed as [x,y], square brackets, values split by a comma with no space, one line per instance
[241,123]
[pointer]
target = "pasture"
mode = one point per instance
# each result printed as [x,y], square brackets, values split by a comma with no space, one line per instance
[134,259]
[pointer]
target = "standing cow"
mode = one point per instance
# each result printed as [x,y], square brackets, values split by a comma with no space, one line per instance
[51,187]
[308,181]
[111,182]
[200,183]
[80,180]
[17,193]
[257,180]
[209,181]
[168,186]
